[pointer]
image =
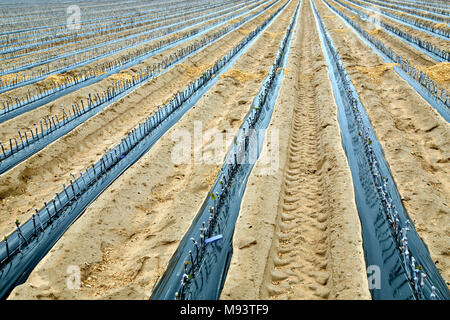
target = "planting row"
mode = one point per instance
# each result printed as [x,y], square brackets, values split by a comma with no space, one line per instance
[440,30]
[401,229]
[413,30]
[96,35]
[82,110]
[95,72]
[439,97]
[35,72]
[439,6]
[111,165]
[438,18]
[442,54]
[43,20]
[205,263]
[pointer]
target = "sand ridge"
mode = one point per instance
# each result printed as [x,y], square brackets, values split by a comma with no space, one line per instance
[106,38]
[298,234]
[41,175]
[303,241]
[140,219]
[421,34]
[414,138]
[30,119]
[19,92]
[414,56]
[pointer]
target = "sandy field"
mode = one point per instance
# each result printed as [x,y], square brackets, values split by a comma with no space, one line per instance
[405,15]
[45,84]
[413,135]
[298,233]
[136,232]
[303,241]
[108,37]
[438,71]
[422,34]
[30,119]
[41,175]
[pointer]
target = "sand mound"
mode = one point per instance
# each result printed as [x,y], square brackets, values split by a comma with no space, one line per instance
[341,30]
[55,77]
[195,71]
[120,76]
[176,36]
[375,31]
[9,77]
[273,34]
[244,31]
[375,73]
[440,72]
[442,26]
[239,76]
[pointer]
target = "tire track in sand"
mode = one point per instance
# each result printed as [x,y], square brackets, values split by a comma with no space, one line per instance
[301,263]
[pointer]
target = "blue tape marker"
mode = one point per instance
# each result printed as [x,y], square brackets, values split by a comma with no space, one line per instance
[212,239]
